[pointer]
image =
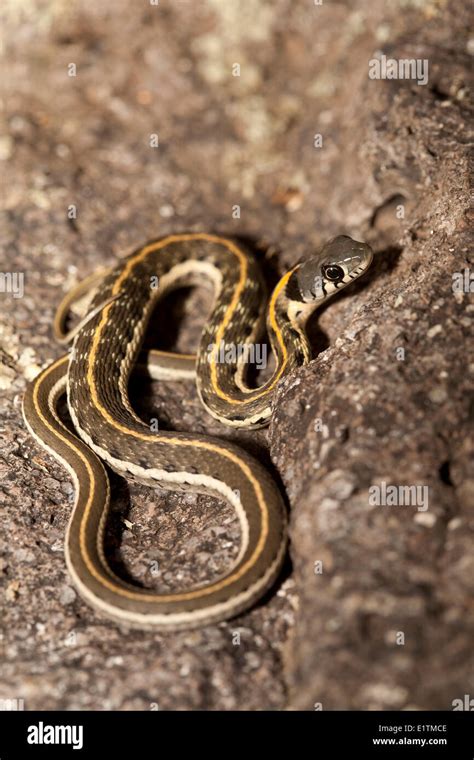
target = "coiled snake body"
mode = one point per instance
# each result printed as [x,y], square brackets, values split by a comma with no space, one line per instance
[96,375]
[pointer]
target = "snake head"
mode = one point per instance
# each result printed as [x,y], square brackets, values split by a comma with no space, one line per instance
[338,263]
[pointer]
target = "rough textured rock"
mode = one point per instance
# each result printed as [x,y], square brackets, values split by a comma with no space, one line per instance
[362,413]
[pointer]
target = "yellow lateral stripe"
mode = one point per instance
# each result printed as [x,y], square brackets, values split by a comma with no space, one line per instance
[272,318]
[225,321]
[271,310]
[141,254]
[83,547]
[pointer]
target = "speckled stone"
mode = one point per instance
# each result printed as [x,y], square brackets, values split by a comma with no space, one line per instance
[236,154]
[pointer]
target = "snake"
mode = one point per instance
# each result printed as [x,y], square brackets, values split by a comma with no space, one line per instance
[107,432]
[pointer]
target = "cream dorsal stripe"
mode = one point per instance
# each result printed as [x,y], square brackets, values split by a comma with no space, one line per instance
[107,346]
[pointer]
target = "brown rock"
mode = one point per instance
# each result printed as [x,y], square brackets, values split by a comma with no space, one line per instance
[224,140]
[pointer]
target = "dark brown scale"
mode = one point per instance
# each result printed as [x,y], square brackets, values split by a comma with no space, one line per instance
[292,290]
[136,303]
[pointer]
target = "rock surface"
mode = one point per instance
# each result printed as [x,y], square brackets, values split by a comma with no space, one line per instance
[377,610]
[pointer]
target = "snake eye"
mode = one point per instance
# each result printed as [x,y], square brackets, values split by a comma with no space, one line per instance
[333,273]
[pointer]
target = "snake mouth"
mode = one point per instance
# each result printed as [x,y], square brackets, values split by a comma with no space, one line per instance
[339,262]
[359,263]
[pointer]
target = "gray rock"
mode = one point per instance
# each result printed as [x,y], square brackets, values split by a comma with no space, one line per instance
[388,573]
